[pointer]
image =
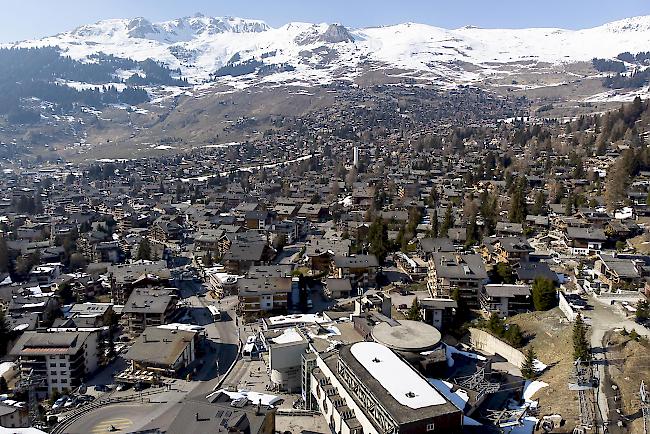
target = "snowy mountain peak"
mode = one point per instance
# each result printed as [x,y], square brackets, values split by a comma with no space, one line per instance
[244,52]
[173,31]
[633,24]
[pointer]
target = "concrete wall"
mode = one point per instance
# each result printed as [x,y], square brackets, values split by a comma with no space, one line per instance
[487,343]
[566,308]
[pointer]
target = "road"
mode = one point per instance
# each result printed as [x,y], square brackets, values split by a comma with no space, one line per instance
[222,339]
[602,319]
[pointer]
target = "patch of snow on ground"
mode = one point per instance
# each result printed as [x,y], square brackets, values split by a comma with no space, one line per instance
[531,388]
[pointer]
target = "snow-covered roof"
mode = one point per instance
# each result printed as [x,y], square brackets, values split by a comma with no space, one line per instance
[400,380]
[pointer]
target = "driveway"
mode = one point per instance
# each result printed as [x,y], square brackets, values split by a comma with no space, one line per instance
[602,319]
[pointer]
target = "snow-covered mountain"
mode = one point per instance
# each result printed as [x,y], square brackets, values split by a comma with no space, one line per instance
[318,53]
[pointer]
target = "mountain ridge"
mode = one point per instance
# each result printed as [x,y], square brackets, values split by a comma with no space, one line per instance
[199,46]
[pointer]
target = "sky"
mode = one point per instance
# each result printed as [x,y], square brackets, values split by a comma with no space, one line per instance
[29,19]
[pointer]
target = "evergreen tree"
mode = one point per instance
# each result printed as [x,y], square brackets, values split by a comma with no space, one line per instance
[208,259]
[414,313]
[642,311]
[496,325]
[4,255]
[447,222]
[518,211]
[462,312]
[581,349]
[5,335]
[378,239]
[513,335]
[489,211]
[435,224]
[544,294]
[568,207]
[471,231]
[539,208]
[144,250]
[528,366]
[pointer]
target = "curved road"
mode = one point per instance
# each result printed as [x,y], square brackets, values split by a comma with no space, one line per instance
[222,339]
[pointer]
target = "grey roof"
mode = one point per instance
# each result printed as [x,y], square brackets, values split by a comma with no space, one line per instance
[356,261]
[528,271]
[149,300]
[242,250]
[7,409]
[279,270]
[438,303]
[124,273]
[338,284]
[591,234]
[264,285]
[158,346]
[622,267]
[218,417]
[319,246]
[430,245]
[34,343]
[507,290]
[513,228]
[452,266]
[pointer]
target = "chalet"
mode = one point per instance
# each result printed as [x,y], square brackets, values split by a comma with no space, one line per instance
[584,241]
[360,269]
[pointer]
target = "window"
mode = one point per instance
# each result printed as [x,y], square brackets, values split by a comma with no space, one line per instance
[63,365]
[64,381]
[54,380]
[52,365]
[430,427]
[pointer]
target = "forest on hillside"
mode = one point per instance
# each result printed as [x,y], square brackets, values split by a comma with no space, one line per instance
[40,73]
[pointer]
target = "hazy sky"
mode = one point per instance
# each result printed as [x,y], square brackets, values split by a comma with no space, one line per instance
[26,19]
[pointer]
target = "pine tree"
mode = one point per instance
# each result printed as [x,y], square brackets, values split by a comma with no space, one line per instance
[378,239]
[435,224]
[539,208]
[5,335]
[642,311]
[4,255]
[528,366]
[208,259]
[517,213]
[471,232]
[581,349]
[144,250]
[414,313]
[447,222]
[544,294]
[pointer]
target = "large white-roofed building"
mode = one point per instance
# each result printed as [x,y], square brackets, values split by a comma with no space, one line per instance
[367,388]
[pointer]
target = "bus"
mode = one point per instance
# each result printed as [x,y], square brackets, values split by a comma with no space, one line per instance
[216,313]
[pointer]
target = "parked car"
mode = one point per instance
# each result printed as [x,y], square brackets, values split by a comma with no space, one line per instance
[71,402]
[59,403]
[102,388]
[140,386]
[122,386]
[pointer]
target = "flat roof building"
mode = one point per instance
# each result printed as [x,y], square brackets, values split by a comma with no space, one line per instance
[367,388]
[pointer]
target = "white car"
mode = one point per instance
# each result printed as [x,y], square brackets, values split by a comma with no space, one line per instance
[59,403]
